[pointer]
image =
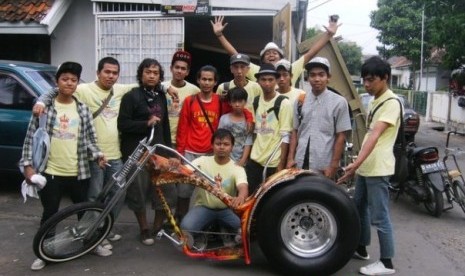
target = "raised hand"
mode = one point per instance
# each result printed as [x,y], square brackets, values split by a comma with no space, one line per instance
[331,29]
[218,25]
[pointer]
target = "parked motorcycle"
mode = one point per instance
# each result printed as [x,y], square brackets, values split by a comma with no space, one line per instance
[425,178]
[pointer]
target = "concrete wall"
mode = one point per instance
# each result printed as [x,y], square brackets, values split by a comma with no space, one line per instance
[74,39]
[444,108]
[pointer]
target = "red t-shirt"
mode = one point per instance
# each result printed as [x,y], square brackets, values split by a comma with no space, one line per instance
[194,133]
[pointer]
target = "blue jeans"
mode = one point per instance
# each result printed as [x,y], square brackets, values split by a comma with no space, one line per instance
[200,216]
[100,177]
[372,200]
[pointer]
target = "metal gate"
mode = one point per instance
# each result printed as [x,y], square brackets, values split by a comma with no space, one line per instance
[130,40]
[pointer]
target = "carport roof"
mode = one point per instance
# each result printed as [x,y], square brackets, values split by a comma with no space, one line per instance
[31,16]
[26,11]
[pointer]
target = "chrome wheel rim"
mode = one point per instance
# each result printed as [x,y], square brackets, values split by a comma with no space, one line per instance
[308,230]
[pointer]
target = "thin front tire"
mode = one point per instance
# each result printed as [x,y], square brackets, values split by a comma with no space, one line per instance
[63,237]
[459,193]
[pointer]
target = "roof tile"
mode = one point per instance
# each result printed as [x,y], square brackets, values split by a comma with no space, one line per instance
[24,10]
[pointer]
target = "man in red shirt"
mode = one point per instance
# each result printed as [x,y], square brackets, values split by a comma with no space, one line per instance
[198,120]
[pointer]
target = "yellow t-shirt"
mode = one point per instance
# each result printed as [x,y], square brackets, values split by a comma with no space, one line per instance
[381,161]
[229,175]
[268,130]
[293,95]
[253,89]
[106,125]
[63,157]
[175,108]
[297,69]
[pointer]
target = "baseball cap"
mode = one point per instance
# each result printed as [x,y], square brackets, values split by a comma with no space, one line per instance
[318,62]
[283,63]
[69,67]
[182,56]
[239,58]
[266,69]
[271,46]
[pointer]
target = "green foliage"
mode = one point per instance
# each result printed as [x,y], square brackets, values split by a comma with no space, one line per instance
[350,51]
[446,25]
[352,55]
[311,32]
[399,23]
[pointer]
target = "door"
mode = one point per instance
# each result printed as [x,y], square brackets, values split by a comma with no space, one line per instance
[130,40]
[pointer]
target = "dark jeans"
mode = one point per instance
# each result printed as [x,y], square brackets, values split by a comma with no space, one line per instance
[255,174]
[56,187]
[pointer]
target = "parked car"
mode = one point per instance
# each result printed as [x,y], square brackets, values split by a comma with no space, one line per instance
[20,84]
[411,118]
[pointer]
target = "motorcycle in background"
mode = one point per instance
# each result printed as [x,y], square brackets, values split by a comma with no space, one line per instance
[425,180]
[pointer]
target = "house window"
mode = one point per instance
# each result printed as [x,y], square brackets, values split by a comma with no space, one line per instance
[130,40]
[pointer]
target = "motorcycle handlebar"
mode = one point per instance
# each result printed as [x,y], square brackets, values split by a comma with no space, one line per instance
[453,132]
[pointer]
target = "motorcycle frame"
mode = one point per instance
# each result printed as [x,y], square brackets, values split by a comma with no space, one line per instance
[145,152]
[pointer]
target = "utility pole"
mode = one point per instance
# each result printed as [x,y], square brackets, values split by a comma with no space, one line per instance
[421,47]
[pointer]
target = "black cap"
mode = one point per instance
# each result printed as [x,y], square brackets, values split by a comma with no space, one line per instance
[267,69]
[69,67]
[239,58]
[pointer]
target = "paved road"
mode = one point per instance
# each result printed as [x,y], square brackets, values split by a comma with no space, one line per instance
[425,245]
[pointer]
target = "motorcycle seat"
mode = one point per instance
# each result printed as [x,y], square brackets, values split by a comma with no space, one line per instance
[422,150]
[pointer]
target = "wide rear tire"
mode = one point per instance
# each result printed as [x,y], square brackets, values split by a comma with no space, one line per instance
[435,202]
[62,237]
[308,227]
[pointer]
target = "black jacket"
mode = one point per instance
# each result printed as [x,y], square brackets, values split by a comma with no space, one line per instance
[133,117]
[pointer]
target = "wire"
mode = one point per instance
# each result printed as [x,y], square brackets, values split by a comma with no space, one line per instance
[318,5]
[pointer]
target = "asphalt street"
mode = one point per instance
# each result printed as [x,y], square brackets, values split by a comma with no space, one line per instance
[424,245]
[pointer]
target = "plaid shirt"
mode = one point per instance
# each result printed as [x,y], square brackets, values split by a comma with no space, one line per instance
[87,139]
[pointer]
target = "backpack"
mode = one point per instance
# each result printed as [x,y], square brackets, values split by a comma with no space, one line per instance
[400,139]
[275,108]
[225,94]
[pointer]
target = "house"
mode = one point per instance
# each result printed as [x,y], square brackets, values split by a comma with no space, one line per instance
[434,77]
[400,72]
[54,31]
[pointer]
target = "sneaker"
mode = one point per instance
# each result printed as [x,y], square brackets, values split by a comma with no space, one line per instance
[106,244]
[228,240]
[360,256]
[37,264]
[200,244]
[238,236]
[145,237]
[101,251]
[114,237]
[377,268]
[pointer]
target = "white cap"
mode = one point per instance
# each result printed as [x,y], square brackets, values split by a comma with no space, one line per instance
[318,61]
[271,46]
[284,63]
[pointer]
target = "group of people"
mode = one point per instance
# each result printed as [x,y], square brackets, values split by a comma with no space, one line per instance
[231,134]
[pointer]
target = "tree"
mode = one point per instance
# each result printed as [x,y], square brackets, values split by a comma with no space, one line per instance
[399,23]
[352,55]
[350,51]
[446,26]
[311,32]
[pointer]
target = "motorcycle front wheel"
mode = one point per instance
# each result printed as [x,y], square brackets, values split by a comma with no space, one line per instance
[459,193]
[435,202]
[64,237]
